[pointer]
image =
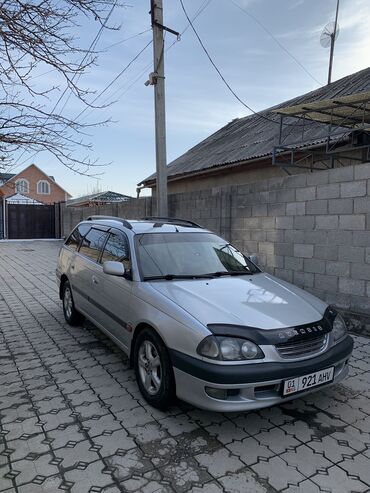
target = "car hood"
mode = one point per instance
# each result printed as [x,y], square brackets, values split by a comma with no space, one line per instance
[260,300]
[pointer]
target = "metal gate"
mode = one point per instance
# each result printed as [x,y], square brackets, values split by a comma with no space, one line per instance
[32,221]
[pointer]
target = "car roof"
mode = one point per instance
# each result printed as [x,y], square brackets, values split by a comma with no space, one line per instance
[140,226]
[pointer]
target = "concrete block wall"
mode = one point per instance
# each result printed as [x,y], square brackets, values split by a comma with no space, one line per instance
[310,229]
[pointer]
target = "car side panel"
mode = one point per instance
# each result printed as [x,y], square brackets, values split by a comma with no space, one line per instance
[113,300]
[178,330]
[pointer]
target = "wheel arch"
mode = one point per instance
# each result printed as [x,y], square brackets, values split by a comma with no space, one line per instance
[63,280]
[139,328]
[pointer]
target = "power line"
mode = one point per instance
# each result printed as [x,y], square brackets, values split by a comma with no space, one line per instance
[90,49]
[127,39]
[147,67]
[223,78]
[95,99]
[116,77]
[213,63]
[252,16]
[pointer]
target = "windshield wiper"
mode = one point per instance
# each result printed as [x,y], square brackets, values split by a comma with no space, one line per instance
[231,273]
[170,277]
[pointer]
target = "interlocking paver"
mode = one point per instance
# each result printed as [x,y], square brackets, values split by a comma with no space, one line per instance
[72,417]
[250,450]
[75,453]
[277,440]
[242,481]
[32,470]
[338,481]
[357,466]
[278,474]
[184,474]
[114,442]
[220,462]
[334,450]
[227,432]
[85,480]
[127,464]
[306,460]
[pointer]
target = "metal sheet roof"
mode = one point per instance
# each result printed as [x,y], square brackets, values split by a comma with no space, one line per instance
[347,111]
[254,136]
[106,196]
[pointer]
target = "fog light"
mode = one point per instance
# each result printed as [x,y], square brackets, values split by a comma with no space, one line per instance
[216,393]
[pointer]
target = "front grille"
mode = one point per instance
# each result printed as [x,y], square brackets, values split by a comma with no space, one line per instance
[299,349]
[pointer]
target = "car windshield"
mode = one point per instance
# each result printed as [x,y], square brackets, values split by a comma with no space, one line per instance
[189,255]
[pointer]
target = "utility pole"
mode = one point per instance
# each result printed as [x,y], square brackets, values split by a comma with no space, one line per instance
[157,79]
[332,42]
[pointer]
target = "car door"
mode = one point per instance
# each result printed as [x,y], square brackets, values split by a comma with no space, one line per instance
[72,264]
[115,292]
[87,269]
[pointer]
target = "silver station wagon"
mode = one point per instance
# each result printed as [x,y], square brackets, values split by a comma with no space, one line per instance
[198,319]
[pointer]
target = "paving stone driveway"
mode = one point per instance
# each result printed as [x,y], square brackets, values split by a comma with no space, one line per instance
[72,417]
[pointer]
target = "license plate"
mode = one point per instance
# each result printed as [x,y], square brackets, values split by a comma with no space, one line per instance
[305,382]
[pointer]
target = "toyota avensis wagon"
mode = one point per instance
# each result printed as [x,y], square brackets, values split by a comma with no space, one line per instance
[197,318]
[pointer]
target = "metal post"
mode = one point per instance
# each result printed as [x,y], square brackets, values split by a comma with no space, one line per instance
[332,42]
[5,233]
[159,106]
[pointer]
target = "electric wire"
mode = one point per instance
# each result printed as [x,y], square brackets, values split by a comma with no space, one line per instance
[116,77]
[226,83]
[125,89]
[252,16]
[127,39]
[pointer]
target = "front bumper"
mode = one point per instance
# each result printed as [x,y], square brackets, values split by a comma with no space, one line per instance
[251,386]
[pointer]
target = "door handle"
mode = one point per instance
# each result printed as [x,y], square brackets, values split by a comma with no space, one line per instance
[94,280]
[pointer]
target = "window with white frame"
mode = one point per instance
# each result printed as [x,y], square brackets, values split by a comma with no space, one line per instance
[22,185]
[43,187]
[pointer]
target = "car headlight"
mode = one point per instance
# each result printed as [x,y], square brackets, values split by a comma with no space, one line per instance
[339,328]
[229,349]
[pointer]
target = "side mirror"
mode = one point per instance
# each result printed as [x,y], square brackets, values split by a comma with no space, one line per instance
[113,268]
[254,259]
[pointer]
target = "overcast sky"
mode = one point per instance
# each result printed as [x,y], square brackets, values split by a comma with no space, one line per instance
[198,103]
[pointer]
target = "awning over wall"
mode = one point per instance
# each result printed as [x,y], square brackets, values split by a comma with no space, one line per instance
[18,198]
[351,111]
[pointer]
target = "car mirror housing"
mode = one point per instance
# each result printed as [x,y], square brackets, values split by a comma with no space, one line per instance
[113,268]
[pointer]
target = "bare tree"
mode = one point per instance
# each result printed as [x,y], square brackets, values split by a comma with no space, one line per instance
[35,36]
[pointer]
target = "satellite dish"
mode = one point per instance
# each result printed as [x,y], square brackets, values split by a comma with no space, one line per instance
[328,34]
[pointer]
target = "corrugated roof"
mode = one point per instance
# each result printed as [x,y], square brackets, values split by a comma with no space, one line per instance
[254,136]
[106,196]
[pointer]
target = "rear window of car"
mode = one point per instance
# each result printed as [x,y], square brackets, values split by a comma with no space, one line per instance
[93,243]
[74,239]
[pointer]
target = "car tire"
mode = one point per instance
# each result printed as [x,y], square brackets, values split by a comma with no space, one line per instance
[72,316]
[153,369]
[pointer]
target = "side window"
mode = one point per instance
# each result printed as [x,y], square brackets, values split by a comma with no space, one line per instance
[117,249]
[92,244]
[77,234]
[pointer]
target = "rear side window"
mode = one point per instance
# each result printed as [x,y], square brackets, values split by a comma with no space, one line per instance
[76,236]
[92,244]
[117,249]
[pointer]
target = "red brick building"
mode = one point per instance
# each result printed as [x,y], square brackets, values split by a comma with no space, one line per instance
[34,184]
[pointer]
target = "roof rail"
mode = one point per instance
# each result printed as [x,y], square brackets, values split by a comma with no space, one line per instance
[110,218]
[171,220]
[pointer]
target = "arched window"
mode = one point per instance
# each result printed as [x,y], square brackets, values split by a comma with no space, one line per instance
[43,187]
[22,185]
